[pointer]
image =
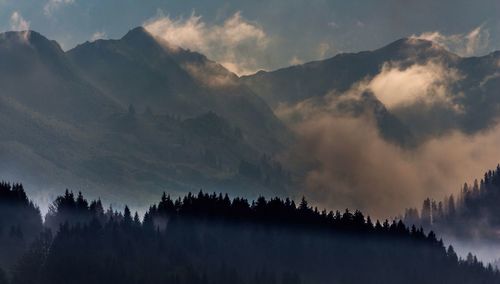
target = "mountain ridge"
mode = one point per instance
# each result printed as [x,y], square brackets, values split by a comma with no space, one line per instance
[478,77]
[110,113]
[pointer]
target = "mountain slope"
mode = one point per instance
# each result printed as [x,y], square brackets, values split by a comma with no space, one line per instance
[65,119]
[36,73]
[317,78]
[478,78]
[141,70]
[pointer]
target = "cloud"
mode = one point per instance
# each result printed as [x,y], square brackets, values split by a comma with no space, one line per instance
[347,164]
[476,42]
[98,35]
[18,23]
[236,44]
[296,61]
[53,5]
[332,25]
[324,49]
[397,86]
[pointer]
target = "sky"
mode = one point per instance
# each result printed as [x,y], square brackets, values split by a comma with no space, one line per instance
[246,36]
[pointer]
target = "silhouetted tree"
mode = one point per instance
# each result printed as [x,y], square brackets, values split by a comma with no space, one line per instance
[210,238]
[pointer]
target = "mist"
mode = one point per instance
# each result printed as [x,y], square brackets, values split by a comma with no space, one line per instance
[347,163]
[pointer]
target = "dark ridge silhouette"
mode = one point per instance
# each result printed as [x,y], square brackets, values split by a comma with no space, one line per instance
[211,238]
[473,212]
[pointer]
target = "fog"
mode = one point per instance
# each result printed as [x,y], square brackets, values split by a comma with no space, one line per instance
[347,163]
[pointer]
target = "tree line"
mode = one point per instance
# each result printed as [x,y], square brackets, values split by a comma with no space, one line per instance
[212,238]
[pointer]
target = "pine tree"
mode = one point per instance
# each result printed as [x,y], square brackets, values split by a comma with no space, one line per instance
[127,216]
[426,213]
[29,268]
[137,221]
[303,206]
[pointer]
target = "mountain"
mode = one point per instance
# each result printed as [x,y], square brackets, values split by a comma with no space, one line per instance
[479,78]
[315,79]
[36,73]
[146,72]
[46,111]
[133,116]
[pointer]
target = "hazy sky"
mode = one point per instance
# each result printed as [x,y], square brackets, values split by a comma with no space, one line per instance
[271,33]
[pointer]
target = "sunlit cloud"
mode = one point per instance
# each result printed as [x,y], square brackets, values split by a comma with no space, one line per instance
[237,43]
[18,23]
[98,35]
[475,42]
[348,163]
[428,83]
[296,61]
[354,167]
[324,49]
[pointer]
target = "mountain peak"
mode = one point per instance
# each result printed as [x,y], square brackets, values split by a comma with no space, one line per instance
[418,49]
[17,37]
[29,38]
[414,43]
[138,33]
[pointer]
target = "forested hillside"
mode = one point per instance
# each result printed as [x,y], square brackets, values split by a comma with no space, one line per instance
[211,238]
[472,213]
[20,222]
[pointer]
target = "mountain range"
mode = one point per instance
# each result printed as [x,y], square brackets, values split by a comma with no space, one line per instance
[131,117]
[473,93]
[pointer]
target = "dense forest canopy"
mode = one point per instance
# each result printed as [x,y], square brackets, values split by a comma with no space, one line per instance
[20,222]
[211,238]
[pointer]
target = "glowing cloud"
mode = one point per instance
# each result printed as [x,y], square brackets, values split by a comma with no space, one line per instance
[18,23]
[235,44]
[429,83]
[473,43]
[347,164]
[98,35]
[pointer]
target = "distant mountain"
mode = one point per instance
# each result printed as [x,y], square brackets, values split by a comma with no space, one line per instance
[476,91]
[315,79]
[133,116]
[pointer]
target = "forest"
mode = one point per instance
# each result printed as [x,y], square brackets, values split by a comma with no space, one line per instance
[212,238]
[472,213]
